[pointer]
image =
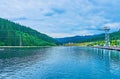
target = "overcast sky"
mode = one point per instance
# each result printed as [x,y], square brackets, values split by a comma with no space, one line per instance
[62,18]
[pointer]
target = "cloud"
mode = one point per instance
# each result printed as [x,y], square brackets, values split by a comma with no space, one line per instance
[60,18]
[49,14]
[58,10]
[24,19]
[18,19]
[54,11]
[113,25]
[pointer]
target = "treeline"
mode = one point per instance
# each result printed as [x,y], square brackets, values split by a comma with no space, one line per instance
[100,39]
[13,34]
[92,38]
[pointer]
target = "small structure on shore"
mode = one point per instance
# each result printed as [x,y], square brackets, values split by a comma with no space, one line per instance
[107,38]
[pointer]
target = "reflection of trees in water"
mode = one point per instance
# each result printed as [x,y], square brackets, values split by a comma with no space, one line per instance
[12,60]
[111,60]
[108,54]
[115,55]
[20,52]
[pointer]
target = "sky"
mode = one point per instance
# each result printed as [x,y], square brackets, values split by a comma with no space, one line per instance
[63,18]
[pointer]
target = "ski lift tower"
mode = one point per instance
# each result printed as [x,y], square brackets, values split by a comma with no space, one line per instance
[107,39]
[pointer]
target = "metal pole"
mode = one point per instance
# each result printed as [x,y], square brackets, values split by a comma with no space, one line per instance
[20,37]
[107,39]
[20,40]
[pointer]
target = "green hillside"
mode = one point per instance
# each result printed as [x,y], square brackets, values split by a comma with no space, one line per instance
[13,34]
[100,39]
[91,40]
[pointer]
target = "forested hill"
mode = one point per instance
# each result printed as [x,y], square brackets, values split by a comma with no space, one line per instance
[92,38]
[13,34]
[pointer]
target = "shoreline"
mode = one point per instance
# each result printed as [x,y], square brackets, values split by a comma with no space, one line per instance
[101,47]
[23,46]
[108,48]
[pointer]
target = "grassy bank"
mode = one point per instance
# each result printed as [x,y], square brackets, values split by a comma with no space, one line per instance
[95,43]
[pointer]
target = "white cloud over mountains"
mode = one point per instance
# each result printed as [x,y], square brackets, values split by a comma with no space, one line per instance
[59,18]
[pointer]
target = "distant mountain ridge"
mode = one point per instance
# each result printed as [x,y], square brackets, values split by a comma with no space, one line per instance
[74,39]
[11,34]
[89,38]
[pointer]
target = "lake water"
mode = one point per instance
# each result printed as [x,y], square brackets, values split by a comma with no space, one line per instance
[59,63]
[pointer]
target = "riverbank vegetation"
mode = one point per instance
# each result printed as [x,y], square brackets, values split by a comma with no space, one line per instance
[92,40]
[95,43]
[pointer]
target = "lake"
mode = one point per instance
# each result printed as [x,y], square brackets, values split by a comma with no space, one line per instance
[59,63]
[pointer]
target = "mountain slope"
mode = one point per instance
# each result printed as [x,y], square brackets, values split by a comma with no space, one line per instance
[12,34]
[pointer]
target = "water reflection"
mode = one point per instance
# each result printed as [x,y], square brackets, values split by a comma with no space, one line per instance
[108,54]
[112,61]
[59,63]
[13,60]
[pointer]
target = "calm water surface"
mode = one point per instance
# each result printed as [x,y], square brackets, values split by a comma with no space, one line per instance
[59,63]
